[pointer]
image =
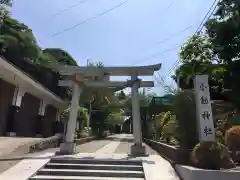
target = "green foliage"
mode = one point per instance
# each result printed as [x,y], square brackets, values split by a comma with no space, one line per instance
[232,82]
[220,137]
[211,155]
[6,2]
[224,31]
[82,112]
[121,95]
[19,46]
[184,108]
[83,133]
[197,59]
[166,126]
[197,49]
[61,56]
[221,40]
[115,118]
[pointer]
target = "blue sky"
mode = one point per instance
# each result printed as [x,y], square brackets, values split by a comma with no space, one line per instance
[122,37]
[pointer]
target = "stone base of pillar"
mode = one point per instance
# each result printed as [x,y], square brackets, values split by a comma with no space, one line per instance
[138,150]
[11,134]
[67,148]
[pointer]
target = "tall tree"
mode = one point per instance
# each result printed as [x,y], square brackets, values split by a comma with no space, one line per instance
[224,30]
[6,2]
[61,56]
[197,57]
[19,46]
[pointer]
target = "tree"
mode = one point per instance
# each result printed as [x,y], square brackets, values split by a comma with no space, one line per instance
[197,58]
[17,40]
[121,95]
[61,56]
[19,46]
[6,2]
[97,64]
[115,118]
[224,30]
[198,48]
[82,117]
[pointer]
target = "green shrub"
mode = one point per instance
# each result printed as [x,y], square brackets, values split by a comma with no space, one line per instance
[184,108]
[85,132]
[220,136]
[211,155]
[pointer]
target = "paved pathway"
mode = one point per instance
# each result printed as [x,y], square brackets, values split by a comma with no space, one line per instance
[11,147]
[10,144]
[114,147]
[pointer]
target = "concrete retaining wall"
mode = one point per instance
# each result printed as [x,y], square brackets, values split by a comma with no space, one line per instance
[172,153]
[191,173]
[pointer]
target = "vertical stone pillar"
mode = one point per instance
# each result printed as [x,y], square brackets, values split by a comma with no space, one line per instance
[58,126]
[89,114]
[13,110]
[137,149]
[39,119]
[68,147]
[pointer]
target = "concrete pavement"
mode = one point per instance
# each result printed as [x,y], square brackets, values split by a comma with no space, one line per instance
[114,147]
[10,144]
[11,147]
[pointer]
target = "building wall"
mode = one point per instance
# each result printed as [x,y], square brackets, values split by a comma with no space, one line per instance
[27,114]
[49,118]
[6,96]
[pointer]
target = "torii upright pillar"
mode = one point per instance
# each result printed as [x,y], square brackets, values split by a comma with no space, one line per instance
[69,147]
[137,149]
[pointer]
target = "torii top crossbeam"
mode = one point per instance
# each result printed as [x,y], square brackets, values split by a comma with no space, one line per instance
[111,71]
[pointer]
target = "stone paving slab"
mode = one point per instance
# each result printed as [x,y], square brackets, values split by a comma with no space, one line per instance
[11,144]
[91,147]
[25,168]
[109,148]
[10,148]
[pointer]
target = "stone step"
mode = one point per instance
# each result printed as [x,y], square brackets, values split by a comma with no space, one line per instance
[94,166]
[95,161]
[94,173]
[78,178]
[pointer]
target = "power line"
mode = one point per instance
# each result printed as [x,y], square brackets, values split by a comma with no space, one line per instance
[169,6]
[174,35]
[211,10]
[206,18]
[155,54]
[160,42]
[70,7]
[90,19]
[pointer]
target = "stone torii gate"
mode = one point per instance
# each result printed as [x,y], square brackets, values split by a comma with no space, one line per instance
[79,77]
